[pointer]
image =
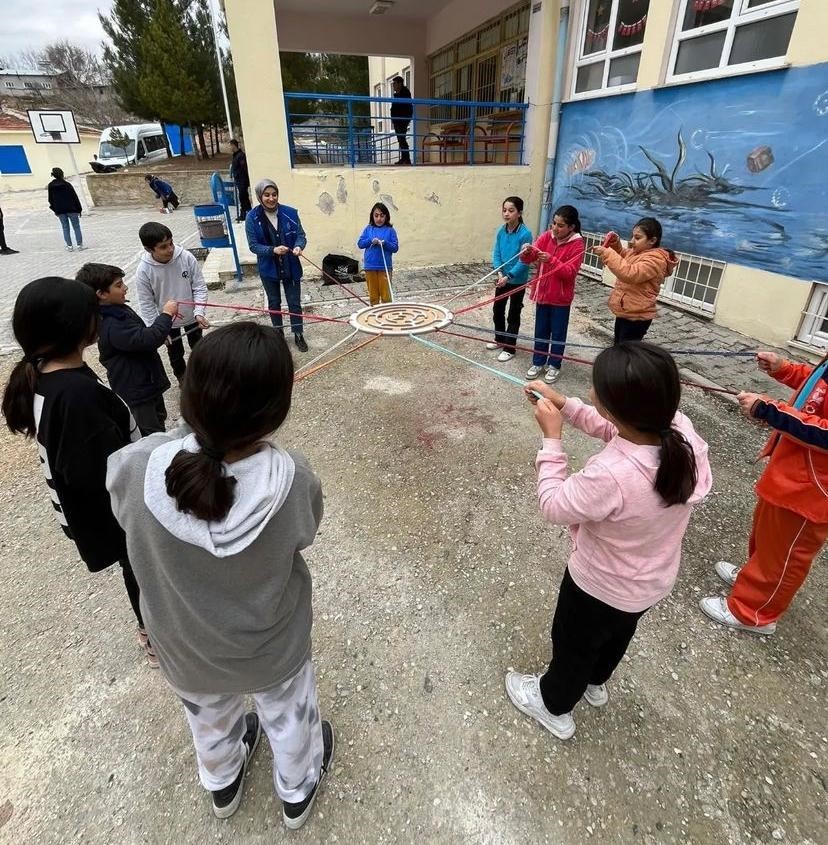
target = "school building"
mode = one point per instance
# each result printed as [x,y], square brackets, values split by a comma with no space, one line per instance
[711,115]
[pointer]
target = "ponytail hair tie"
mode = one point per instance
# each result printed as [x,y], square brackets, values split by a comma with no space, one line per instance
[32,359]
[213,453]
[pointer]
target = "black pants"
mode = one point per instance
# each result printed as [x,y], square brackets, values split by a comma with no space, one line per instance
[171,199]
[132,589]
[589,638]
[176,348]
[507,328]
[150,416]
[630,329]
[244,201]
[3,244]
[401,130]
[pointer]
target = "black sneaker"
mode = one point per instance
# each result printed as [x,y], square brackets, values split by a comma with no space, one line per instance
[295,815]
[226,801]
[301,345]
[9,251]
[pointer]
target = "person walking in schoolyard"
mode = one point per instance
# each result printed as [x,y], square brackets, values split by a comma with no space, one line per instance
[401,113]
[241,176]
[64,202]
[5,249]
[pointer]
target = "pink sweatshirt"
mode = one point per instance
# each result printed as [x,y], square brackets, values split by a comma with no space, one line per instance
[626,543]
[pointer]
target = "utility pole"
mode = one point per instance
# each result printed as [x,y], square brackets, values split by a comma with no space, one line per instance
[214,18]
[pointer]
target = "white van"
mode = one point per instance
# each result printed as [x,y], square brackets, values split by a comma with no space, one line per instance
[146,145]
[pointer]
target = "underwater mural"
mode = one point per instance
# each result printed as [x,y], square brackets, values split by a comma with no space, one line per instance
[736,169]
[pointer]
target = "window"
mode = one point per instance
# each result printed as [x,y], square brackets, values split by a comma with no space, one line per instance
[488,65]
[694,283]
[154,142]
[406,75]
[609,48]
[9,84]
[378,107]
[813,329]
[716,37]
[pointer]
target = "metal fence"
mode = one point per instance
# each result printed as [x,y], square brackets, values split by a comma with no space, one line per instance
[349,130]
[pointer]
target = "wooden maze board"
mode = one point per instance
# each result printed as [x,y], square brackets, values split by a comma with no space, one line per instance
[401,318]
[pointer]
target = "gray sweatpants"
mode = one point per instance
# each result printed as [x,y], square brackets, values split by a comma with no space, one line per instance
[289,714]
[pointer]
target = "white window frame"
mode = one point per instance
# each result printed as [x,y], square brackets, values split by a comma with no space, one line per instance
[740,15]
[815,313]
[605,56]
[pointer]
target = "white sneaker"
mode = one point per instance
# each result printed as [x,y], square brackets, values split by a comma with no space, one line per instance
[597,696]
[533,371]
[727,572]
[716,608]
[552,374]
[524,692]
[492,346]
[70,249]
[505,356]
[80,247]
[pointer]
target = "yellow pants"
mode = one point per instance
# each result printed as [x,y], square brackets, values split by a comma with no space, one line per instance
[378,288]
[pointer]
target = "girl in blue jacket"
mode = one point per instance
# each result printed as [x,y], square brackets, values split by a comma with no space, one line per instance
[379,240]
[511,278]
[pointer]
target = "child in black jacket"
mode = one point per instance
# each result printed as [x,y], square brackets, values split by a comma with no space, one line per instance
[128,348]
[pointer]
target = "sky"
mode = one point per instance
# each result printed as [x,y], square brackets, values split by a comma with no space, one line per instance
[72,20]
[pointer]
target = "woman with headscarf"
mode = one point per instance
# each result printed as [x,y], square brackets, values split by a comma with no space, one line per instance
[276,237]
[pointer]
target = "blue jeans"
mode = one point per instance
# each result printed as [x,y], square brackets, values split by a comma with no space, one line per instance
[293,289]
[65,219]
[551,323]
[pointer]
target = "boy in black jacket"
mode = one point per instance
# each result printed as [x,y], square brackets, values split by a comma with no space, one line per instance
[128,348]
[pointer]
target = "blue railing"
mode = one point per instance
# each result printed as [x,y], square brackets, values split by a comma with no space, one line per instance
[355,130]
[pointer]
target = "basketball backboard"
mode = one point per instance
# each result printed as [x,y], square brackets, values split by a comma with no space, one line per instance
[53,127]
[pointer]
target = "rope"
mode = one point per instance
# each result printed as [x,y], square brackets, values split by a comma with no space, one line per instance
[316,317]
[482,278]
[310,363]
[387,274]
[319,367]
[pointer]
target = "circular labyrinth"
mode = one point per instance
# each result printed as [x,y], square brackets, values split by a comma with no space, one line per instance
[401,318]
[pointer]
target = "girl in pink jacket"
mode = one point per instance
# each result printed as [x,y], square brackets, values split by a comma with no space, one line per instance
[627,511]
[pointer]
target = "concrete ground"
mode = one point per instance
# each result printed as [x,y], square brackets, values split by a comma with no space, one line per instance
[433,574]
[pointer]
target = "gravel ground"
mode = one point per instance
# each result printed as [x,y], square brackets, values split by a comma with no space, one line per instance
[433,574]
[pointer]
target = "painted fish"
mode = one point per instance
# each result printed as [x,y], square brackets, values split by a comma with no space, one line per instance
[580,160]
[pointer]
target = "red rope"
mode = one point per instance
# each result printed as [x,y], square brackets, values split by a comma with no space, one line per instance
[317,317]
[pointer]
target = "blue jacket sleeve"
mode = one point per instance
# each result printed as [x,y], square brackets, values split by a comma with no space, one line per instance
[301,238]
[391,243]
[808,429]
[365,238]
[130,337]
[496,259]
[257,247]
[516,267]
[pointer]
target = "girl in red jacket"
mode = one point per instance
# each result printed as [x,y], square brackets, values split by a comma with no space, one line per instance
[559,253]
[790,523]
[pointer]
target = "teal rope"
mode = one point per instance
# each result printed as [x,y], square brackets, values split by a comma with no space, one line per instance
[492,370]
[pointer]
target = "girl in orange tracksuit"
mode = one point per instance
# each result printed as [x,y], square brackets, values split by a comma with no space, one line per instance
[790,523]
[640,271]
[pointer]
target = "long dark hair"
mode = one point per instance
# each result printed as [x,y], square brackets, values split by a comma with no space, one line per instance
[52,318]
[384,209]
[517,202]
[638,383]
[569,214]
[237,390]
[651,228]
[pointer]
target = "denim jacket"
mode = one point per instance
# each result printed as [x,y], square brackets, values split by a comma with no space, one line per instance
[290,234]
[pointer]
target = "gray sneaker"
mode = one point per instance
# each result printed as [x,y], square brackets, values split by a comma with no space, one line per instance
[552,374]
[524,692]
[533,372]
[727,572]
[596,695]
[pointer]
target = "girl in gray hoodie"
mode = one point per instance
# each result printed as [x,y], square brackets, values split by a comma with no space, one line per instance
[216,519]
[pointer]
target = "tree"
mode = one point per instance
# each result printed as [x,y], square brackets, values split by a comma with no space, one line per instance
[168,71]
[120,140]
[324,73]
[80,66]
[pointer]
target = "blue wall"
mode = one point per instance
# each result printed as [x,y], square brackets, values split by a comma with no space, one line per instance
[736,169]
[13,159]
[174,137]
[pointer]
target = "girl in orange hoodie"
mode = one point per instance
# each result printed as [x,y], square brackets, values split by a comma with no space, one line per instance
[639,272]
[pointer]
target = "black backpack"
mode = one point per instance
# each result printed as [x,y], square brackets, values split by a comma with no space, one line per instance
[342,267]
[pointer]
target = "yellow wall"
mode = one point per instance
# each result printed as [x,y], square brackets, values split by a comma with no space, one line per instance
[442,215]
[760,304]
[43,157]
[809,45]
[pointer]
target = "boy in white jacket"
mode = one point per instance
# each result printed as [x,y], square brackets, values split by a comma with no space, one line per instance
[169,272]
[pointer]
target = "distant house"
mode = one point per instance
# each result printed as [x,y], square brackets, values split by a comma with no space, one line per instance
[29,83]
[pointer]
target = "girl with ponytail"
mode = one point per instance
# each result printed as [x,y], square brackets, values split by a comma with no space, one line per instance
[53,397]
[216,521]
[627,509]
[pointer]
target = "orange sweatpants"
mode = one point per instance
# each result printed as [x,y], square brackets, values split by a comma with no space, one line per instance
[378,288]
[782,548]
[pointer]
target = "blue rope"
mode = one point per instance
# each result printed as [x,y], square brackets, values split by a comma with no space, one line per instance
[744,353]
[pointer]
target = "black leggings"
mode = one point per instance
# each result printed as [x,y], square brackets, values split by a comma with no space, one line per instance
[133,591]
[589,638]
[630,329]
